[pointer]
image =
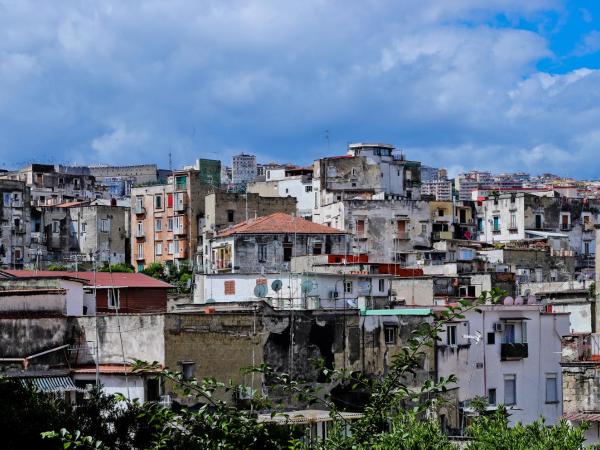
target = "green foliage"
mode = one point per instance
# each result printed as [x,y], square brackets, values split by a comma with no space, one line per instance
[592,290]
[492,432]
[117,268]
[156,270]
[395,416]
[57,268]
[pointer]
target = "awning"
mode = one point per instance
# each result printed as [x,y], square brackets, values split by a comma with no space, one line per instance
[51,384]
[546,234]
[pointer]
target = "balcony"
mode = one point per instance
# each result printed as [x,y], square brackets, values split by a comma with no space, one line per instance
[401,235]
[513,351]
[139,257]
[140,234]
[139,210]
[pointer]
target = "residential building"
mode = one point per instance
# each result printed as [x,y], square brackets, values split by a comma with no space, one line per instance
[243,170]
[367,171]
[440,190]
[509,354]
[52,185]
[385,229]
[569,223]
[15,224]
[118,180]
[104,292]
[267,244]
[165,219]
[288,181]
[209,171]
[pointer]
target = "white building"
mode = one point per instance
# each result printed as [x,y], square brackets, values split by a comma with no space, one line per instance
[509,354]
[243,169]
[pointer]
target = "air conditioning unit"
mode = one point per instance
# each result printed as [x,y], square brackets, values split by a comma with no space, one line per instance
[499,326]
[333,294]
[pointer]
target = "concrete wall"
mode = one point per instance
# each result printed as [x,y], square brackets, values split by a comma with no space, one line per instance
[414,291]
[143,337]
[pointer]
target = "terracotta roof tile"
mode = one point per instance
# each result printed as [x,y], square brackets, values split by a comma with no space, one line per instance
[279,223]
[121,279]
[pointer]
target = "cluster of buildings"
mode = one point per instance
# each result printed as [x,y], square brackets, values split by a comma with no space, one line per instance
[340,260]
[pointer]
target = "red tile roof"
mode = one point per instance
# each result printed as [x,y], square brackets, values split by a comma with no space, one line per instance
[279,223]
[120,279]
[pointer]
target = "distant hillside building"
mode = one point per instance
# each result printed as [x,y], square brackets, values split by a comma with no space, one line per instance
[243,169]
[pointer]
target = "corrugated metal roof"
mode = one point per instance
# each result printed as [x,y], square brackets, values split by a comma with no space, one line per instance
[51,384]
[102,279]
[397,312]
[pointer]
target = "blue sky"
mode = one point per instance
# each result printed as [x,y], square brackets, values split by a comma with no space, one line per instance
[500,85]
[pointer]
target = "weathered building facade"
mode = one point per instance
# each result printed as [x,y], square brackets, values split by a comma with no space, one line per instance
[15,224]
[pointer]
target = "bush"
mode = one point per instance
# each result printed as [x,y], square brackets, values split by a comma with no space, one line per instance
[117,268]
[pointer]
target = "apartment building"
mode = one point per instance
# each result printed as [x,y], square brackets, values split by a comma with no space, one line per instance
[243,170]
[288,181]
[568,223]
[15,224]
[53,185]
[165,219]
[509,354]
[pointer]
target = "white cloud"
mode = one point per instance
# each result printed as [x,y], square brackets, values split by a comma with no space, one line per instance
[132,81]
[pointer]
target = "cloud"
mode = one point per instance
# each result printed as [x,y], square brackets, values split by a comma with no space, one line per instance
[127,82]
[590,43]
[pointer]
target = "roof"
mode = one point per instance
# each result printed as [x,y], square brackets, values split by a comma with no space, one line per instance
[546,234]
[278,223]
[581,417]
[103,279]
[108,369]
[397,312]
[51,384]
[71,204]
[305,417]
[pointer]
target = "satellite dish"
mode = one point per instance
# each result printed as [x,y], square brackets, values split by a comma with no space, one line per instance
[508,301]
[260,290]
[276,285]
[519,300]
[307,286]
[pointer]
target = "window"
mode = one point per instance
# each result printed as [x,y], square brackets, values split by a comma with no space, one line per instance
[187,369]
[140,229]
[538,221]
[158,249]
[262,253]
[170,224]
[491,338]
[169,200]
[513,221]
[390,334]
[381,285]
[551,388]
[229,287]
[83,227]
[56,226]
[307,188]
[515,332]
[158,225]
[360,228]
[440,212]
[287,252]
[451,335]
[171,248]
[230,215]
[7,201]
[423,228]
[492,396]
[139,203]
[565,221]
[140,251]
[510,389]
[586,248]
[104,225]
[480,225]
[158,202]
[496,222]
[114,298]
[178,224]
[347,287]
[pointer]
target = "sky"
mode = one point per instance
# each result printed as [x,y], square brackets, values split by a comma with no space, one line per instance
[500,85]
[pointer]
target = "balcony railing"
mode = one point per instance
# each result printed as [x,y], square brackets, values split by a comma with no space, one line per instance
[140,209]
[510,351]
[401,235]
